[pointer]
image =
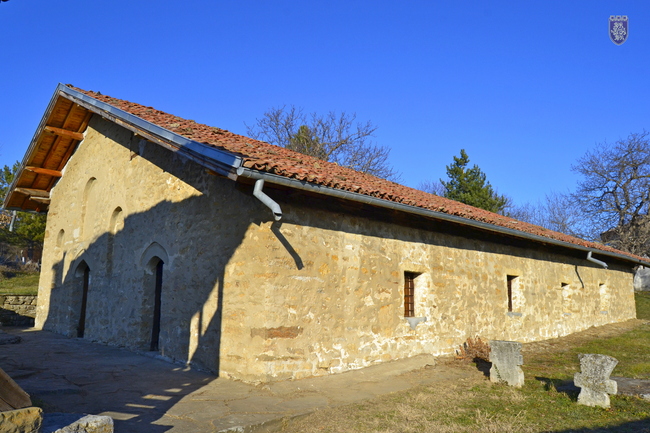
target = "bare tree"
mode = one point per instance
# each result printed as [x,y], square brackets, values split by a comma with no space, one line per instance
[432,187]
[562,214]
[557,212]
[332,137]
[615,192]
[528,212]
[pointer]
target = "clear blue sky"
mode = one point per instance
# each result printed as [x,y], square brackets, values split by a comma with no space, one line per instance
[526,87]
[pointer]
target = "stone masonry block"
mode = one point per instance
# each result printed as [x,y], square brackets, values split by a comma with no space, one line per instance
[76,423]
[506,358]
[27,420]
[594,380]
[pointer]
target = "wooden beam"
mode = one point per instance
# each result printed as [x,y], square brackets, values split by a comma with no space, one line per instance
[40,199]
[47,171]
[12,395]
[32,192]
[65,133]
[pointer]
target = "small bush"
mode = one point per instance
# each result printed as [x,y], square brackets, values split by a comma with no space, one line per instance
[6,272]
[473,349]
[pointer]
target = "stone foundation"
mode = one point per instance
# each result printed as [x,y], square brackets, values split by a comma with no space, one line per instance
[17,310]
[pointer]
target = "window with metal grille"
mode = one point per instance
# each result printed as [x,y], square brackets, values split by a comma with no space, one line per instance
[409,294]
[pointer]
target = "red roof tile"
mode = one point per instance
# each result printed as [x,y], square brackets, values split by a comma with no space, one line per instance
[269,158]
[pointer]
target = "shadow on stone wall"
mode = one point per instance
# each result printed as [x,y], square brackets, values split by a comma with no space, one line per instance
[195,238]
[192,279]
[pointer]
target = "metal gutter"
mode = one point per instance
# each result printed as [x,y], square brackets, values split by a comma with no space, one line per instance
[386,204]
[229,165]
[222,162]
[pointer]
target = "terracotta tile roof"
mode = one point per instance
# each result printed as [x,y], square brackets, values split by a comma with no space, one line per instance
[269,158]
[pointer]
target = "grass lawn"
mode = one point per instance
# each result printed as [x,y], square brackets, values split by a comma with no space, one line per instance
[544,404]
[18,282]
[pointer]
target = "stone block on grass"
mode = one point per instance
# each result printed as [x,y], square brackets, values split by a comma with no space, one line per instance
[506,359]
[594,381]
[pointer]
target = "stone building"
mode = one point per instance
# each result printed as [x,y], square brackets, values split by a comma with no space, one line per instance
[262,264]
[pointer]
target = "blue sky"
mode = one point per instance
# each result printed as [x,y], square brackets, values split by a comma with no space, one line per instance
[525,87]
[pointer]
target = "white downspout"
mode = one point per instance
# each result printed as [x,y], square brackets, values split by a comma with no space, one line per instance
[596,261]
[268,201]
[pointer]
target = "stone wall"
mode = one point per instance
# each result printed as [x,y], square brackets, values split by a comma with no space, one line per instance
[17,310]
[344,308]
[319,292]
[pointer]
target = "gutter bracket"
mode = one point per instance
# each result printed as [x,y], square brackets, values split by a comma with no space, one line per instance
[596,261]
[266,200]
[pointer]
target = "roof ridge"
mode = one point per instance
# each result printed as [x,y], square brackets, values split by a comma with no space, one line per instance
[269,158]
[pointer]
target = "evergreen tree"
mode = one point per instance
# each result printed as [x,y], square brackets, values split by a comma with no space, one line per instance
[469,186]
[6,177]
[305,141]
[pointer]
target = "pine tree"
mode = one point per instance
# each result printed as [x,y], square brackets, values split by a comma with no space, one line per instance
[305,141]
[469,186]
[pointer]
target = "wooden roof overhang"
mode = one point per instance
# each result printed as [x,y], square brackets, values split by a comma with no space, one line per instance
[62,129]
[59,133]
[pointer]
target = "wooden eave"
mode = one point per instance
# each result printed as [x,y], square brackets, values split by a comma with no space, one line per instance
[60,132]
[62,129]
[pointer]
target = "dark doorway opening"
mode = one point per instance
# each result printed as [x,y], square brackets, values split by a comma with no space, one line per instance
[155,330]
[81,328]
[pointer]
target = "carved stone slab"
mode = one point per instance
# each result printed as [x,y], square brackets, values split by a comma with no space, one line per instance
[594,380]
[506,358]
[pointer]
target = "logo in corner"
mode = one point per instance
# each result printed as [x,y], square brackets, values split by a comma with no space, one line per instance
[618,28]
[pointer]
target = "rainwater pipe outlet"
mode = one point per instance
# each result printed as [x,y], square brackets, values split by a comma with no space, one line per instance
[266,200]
[596,261]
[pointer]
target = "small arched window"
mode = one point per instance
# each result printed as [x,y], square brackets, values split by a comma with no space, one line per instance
[116,223]
[60,239]
[87,195]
